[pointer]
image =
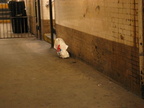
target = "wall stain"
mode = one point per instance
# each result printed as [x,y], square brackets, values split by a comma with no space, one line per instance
[97,8]
[122,37]
[86,11]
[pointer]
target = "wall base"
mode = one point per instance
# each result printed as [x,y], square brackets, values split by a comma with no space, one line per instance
[118,61]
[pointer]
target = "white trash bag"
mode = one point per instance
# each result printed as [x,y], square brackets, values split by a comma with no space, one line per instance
[61,48]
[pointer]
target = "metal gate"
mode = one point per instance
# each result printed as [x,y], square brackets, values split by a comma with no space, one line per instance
[13,20]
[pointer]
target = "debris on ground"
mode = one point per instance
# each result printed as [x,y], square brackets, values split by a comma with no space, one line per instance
[61,48]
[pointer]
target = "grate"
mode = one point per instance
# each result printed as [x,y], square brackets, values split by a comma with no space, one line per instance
[13,20]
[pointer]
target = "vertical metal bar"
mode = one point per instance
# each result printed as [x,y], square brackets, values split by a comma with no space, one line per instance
[10,24]
[7,19]
[0,22]
[11,19]
[26,20]
[3,21]
[141,45]
[17,22]
[25,24]
[39,20]
[29,19]
[51,23]
[36,18]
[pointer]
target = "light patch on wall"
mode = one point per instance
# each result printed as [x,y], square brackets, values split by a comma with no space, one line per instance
[45,9]
[110,20]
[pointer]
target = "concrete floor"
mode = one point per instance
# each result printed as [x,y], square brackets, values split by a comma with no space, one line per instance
[32,76]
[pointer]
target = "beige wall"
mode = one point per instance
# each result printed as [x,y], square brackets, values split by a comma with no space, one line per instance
[107,19]
[30,7]
[45,10]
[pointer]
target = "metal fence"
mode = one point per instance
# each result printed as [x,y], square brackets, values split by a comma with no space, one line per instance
[14,20]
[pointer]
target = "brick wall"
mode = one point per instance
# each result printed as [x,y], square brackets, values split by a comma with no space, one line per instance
[104,33]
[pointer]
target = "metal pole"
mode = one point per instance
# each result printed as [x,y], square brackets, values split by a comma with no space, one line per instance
[141,45]
[51,23]
[39,20]
[36,18]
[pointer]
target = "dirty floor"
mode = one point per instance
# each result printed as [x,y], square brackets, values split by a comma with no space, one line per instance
[32,76]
